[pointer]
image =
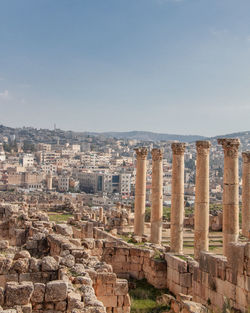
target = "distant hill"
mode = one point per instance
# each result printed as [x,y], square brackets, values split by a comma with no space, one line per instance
[51,136]
[150,136]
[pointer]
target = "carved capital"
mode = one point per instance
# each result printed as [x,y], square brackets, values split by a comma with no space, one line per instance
[203,147]
[178,148]
[157,154]
[246,156]
[230,146]
[141,153]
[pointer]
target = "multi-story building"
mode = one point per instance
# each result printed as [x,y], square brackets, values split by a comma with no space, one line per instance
[27,160]
[63,183]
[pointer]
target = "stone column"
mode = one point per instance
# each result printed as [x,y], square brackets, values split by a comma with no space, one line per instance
[101,214]
[201,212]
[49,181]
[104,220]
[246,194]
[230,192]
[156,211]
[140,190]
[177,199]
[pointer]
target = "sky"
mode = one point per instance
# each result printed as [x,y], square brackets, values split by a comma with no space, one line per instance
[169,66]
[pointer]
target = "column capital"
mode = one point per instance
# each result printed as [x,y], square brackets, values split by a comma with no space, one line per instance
[230,146]
[178,147]
[157,154]
[141,153]
[246,156]
[202,147]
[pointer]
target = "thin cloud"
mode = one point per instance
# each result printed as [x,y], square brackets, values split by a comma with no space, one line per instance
[5,95]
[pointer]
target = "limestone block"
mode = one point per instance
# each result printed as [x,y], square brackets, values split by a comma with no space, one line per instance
[61,306]
[5,265]
[49,264]
[108,301]
[26,308]
[176,277]
[119,258]
[22,255]
[56,291]
[8,278]
[241,297]
[235,257]
[126,301]
[121,287]
[68,260]
[38,294]
[34,265]
[225,288]
[135,259]
[176,263]
[120,300]
[186,280]
[204,261]
[106,278]
[74,301]
[122,251]
[18,294]
[20,266]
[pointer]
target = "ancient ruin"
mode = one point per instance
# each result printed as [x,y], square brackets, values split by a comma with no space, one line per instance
[84,264]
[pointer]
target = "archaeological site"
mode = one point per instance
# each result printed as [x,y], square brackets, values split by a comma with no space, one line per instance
[90,262]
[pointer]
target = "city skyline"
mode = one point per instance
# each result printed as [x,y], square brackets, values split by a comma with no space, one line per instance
[177,67]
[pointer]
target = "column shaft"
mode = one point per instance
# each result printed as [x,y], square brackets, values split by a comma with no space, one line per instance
[177,199]
[230,192]
[156,210]
[201,217]
[140,190]
[101,214]
[246,194]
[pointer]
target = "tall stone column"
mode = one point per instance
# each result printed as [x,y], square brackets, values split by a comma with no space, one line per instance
[49,181]
[246,194]
[101,214]
[201,217]
[156,211]
[140,190]
[177,199]
[230,192]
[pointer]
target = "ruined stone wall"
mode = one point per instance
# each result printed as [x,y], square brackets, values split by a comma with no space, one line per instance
[136,262]
[217,278]
[179,273]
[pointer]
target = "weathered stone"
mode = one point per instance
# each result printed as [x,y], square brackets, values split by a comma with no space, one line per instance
[22,255]
[64,229]
[39,292]
[56,291]
[49,264]
[18,294]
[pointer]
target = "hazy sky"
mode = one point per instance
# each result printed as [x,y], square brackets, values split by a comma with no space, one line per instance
[172,66]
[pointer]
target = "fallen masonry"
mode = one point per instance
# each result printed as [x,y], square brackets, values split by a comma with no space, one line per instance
[84,266]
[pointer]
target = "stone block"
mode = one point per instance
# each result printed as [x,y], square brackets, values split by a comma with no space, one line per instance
[176,277]
[8,278]
[38,293]
[241,297]
[73,300]
[61,306]
[186,280]
[108,301]
[236,253]
[56,291]
[18,294]
[49,264]
[121,287]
